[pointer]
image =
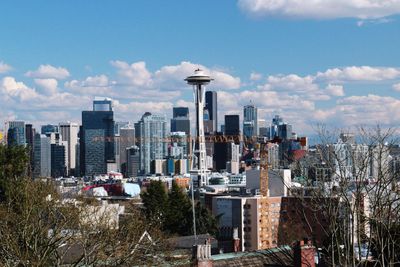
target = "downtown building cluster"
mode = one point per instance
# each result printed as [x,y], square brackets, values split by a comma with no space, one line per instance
[154,148]
[150,146]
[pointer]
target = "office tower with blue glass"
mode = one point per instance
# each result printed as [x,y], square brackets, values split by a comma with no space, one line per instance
[97,138]
[211,105]
[15,132]
[180,121]
[250,121]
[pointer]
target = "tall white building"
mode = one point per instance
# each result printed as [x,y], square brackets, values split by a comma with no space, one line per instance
[69,133]
[152,133]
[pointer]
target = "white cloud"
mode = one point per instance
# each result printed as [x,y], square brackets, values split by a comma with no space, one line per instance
[359,73]
[335,90]
[49,86]
[92,85]
[11,89]
[49,71]
[135,74]
[321,9]
[4,68]
[254,76]
[396,87]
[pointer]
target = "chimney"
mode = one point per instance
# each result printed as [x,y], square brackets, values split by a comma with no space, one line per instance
[236,240]
[201,255]
[304,254]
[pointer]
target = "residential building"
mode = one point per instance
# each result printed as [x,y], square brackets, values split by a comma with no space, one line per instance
[152,131]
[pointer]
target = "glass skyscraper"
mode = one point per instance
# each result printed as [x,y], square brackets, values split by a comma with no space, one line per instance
[212,108]
[152,132]
[250,121]
[180,121]
[97,139]
[15,131]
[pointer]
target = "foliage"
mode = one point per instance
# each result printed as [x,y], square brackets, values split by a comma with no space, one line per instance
[38,228]
[155,202]
[174,212]
[14,162]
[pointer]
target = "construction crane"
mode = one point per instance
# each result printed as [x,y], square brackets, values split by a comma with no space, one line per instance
[265,220]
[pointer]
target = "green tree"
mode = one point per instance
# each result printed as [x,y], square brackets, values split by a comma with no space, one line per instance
[205,221]
[14,163]
[155,202]
[179,215]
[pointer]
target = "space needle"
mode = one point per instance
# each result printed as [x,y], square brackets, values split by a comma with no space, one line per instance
[199,169]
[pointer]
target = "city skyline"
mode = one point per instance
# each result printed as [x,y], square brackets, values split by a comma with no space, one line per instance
[338,66]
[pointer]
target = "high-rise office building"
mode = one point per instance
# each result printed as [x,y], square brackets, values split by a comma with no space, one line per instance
[49,128]
[273,130]
[232,125]
[102,104]
[250,121]
[285,131]
[97,138]
[178,147]
[212,107]
[42,156]
[132,161]
[126,140]
[220,154]
[15,132]
[69,133]
[58,160]
[152,132]
[180,121]
[117,143]
[180,112]
[58,155]
[29,136]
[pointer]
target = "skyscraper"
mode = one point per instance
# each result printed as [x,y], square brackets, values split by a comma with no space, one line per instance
[49,128]
[212,108]
[97,138]
[15,131]
[180,121]
[250,121]
[29,136]
[102,104]
[232,126]
[126,140]
[58,155]
[42,156]
[132,161]
[152,132]
[69,133]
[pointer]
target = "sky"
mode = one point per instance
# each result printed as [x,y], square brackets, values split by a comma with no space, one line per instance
[334,62]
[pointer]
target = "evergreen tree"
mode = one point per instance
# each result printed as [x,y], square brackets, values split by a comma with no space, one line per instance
[179,216]
[155,201]
[14,162]
[205,221]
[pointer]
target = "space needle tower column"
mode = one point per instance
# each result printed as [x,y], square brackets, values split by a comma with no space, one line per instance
[198,81]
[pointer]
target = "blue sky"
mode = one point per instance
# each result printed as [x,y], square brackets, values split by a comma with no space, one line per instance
[332,61]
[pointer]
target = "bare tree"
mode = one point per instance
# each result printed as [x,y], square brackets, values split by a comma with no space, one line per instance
[37,228]
[353,185]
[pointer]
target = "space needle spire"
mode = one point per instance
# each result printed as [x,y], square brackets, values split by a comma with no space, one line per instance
[198,81]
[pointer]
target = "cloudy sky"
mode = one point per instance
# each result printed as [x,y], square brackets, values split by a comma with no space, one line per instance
[335,62]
